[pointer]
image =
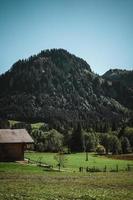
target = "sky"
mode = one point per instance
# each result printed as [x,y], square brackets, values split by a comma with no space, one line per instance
[99,31]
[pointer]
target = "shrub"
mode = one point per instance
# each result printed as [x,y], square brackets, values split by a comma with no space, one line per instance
[100,149]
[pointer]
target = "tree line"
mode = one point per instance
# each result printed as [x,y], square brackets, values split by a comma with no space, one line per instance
[78,139]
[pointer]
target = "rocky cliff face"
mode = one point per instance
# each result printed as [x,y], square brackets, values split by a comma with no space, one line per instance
[58,87]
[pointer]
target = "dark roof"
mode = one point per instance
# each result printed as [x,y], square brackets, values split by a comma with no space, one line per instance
[15,136]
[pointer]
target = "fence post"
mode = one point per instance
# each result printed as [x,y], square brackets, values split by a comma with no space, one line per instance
[80,169]
[128,167]
[87,169]
[105,168]
[117,168]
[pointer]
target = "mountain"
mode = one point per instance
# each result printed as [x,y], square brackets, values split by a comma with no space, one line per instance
[59,88]
[122,83]
[123,76]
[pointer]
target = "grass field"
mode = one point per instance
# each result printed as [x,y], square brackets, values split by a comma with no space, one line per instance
[74,161]
[29,182]
[66,186]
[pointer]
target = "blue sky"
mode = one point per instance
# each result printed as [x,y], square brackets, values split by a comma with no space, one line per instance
[99,31]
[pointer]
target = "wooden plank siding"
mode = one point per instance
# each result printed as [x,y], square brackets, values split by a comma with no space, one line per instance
[13,142]
[11,152]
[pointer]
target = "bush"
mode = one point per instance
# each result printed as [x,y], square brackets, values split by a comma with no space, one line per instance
[100,149]
[94,169]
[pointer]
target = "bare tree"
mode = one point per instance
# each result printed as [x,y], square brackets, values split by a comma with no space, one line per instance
[61,159]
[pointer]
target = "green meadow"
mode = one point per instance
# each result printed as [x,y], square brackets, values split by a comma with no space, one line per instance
[19,181]
[74,161]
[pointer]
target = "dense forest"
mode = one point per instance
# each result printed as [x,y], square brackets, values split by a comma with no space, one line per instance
[77,139]
[60,89]
[80,110]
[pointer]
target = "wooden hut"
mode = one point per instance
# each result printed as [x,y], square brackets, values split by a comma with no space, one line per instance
[13,142]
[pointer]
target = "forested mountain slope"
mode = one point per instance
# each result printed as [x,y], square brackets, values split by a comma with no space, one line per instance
[122,84]
[59,88]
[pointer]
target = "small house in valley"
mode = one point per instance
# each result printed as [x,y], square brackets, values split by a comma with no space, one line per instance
[13,142]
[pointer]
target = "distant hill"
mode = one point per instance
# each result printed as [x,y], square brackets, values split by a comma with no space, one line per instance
[60,89]
[124,76]
[122,84]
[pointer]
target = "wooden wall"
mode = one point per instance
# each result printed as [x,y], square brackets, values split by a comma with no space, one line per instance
[11,152]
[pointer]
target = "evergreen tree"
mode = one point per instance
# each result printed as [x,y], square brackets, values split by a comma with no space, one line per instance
[76,139]
[125,144]
[115,145]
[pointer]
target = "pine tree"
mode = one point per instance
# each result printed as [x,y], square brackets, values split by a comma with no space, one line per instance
[76,139]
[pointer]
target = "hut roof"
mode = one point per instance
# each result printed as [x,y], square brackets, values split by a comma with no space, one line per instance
[15,136]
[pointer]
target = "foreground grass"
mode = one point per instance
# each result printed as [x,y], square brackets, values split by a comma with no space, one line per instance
[19,168]
[74,161]
[67,186]
[29,182]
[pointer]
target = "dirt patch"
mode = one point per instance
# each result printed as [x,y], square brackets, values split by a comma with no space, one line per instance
[122,157]
[23,162]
